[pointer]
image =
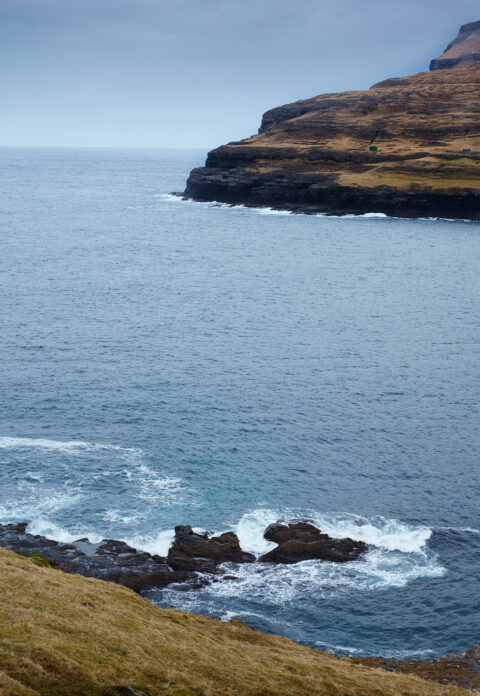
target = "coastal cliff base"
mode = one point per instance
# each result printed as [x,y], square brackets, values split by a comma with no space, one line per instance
[312,195]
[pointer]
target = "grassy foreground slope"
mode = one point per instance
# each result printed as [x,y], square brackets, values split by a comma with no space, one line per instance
[68,635]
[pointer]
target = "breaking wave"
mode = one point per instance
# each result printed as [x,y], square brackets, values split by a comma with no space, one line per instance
[389,534]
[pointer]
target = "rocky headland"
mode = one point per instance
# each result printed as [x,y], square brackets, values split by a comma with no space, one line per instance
[407,147]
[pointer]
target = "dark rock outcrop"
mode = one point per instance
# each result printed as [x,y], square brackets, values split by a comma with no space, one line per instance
[301,541]
[299,531]
[116,561]
[110,560]
[407,147]
[199,552]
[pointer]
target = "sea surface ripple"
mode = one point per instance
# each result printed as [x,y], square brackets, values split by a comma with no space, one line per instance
[167,362]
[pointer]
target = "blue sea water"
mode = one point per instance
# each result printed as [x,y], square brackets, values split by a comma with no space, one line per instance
[167,362]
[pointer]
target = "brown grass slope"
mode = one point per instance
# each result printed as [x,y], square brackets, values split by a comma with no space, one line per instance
[68,635]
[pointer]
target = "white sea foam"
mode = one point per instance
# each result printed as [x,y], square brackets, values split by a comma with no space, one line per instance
[157,543]
[400,555]
[337,648]
[118,516]
[31,507]
[269,211]
[389,534]
[250,530]
[466,530]
[229,615]
[154,544]
[49,529]
[399,654]
[272,211]
[153,485]
[277,585]
[170,197]
[57,445]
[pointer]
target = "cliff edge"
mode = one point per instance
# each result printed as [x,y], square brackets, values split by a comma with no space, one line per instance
[406,147]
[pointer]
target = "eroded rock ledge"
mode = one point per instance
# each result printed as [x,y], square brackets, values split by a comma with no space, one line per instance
[190,556]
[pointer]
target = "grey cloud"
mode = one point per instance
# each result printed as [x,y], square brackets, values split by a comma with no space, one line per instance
[197,72]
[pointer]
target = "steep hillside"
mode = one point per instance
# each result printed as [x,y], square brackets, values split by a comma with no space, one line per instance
[407,146]
[66,635]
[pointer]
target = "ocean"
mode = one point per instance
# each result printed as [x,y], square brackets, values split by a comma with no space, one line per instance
[168,362]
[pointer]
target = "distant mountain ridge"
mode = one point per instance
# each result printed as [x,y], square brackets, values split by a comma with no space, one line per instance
[465,48]
[407,147]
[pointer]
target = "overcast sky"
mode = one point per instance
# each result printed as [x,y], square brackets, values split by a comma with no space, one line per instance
[197,73]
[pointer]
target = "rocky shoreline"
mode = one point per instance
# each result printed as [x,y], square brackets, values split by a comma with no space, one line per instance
[195,560]
[191,557]
[310,195]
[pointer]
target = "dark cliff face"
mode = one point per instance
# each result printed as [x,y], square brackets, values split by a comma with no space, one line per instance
[407,147]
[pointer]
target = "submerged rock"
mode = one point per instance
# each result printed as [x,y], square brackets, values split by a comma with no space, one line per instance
[199,552]
[301,541]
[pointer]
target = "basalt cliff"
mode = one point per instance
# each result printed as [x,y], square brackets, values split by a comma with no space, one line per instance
[406,147]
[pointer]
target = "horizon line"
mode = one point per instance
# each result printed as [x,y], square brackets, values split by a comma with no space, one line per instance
[109,147]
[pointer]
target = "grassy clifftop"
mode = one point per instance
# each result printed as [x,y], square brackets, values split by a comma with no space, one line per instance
[68,635]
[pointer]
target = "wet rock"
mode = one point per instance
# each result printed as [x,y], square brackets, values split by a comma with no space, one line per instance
[301,541]
[199,552]
[110,560]
[301,531]
[461,669]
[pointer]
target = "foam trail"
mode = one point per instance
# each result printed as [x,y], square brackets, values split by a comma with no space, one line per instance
[57,445]
[466,530]
[152,484]
[32,508]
